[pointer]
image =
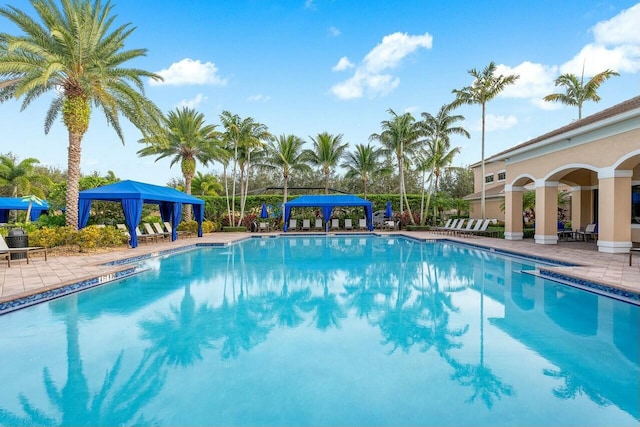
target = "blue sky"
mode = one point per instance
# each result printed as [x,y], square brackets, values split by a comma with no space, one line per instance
[308,66]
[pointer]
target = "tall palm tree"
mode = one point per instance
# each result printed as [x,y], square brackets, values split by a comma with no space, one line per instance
[285,152]
[364,163]
[206,185]
[327,151]
[577,91]
[399,136]
[75,54]
[439,156]
[186,139]
[486,86]
[242,137]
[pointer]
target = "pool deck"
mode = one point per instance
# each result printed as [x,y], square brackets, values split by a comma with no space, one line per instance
[22,279]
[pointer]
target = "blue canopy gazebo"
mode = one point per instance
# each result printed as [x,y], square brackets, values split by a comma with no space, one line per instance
[16,203]
[133,195]
[327,203]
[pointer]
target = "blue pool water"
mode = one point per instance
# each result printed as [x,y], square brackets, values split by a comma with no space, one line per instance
[324,331]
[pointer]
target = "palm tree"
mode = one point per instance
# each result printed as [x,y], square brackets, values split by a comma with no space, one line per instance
[19,178]
[285,152]
[75,55]
[440,157]
[327,151]
[206,185]
[242,137]
[400,137]
[577,91]
[185,138]
[486,86]
[364,163]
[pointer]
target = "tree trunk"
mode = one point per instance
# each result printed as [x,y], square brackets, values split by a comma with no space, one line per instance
[285,176]
[73,179]
[482,177]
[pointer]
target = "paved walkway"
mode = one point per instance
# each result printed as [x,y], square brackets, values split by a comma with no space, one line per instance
[21,279]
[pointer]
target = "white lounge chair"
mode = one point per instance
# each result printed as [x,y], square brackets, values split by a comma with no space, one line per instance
[264,226]
[482,231]
[335,224]
[160,230]
[6,251]
[306,224]
[457,228]
[444,227]
[362,224]
[185,233]
[318,225]
[151,232]
[347,224]
[466,229]
[146,237]
[447,228]
[293,224]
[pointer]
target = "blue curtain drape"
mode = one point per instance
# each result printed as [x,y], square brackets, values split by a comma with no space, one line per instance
[4,215]
[326,214]
[84,209]
[175,219]
[166,209]
[368,211]
[287,215]
[35,213]
[132,209]
[198,213]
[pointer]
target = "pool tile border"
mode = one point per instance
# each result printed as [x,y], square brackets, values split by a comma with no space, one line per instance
[588,285]
[50,294]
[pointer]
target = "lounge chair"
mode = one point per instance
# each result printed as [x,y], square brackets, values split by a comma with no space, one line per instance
[293,224]
[149,231]
[158,227]
[318,224]
[123,228]
[459,226]
[444,227]
[306,224]
[6,255]
[264,226]
[146,237]
[466,229]
[389,225]
[335,224]
[185,233]
[362,224]
[469,232]
[6,250]
[483,230]
[348,225]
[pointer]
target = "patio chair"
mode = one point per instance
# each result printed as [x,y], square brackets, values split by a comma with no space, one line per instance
[483,230]
[389,225]
[293,224]
[306,224]
[446,229]
[5,250]
[264,226]
[589,231]
[146,237]
[318,225]
[7,256]
[158,227]
[462,232]
[457,228]
[362,224]
[335,224]
[475,228]
[348,225]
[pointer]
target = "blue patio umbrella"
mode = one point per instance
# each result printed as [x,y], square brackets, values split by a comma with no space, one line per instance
[264,213]
[388,212]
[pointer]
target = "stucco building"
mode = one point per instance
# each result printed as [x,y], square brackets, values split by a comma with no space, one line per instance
[596,159]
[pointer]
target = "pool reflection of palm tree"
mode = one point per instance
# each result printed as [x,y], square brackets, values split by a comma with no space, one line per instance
[480,378]
[74,402]
[361,292]
[286,306]
[574,386]
[326,308]
[179,338]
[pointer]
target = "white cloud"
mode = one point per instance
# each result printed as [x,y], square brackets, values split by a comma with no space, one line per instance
[536,80]
[190,72]
[616,46]
[334,32]
[493,122]
[259,98]
[343,64]
[369,76]
[193,103]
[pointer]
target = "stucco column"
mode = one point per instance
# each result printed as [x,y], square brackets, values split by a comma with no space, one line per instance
[614,210]
[546,212]
[513,212]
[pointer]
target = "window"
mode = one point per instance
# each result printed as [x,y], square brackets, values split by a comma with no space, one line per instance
[502,176]
[635,204]
[488,178]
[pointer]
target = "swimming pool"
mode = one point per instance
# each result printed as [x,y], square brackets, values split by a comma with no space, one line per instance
[324,330]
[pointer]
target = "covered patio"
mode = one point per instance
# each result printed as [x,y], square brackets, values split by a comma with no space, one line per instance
[133,195]
[327,203]
[8,204]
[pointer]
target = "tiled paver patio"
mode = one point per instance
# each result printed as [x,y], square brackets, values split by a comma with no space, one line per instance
[22,279]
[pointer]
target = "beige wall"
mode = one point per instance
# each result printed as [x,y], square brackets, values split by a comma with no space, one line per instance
[491,209]
[490,168]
